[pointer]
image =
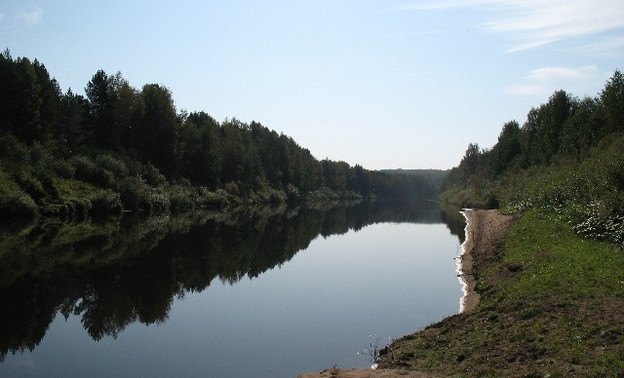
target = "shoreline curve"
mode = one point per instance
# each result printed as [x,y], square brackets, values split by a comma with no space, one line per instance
[484,233]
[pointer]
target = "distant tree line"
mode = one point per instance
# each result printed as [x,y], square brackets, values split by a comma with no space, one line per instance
[124,148]
[567,157]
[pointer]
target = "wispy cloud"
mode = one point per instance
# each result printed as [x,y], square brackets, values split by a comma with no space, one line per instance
[534,23]
[24,19]
[542,81]
[31,17]
[439,5]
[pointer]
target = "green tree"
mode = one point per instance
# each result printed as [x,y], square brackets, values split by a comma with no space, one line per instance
[73,125]
[470,163]
[199,145]
[612,104]
[507,149]
[581,130]
[49,94]
[101,110]
[157,130]
[544,127]
[20,101]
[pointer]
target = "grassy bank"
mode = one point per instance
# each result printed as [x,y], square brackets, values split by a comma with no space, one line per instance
[551,306]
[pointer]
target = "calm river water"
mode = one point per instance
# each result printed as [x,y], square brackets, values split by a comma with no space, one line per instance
[265,293]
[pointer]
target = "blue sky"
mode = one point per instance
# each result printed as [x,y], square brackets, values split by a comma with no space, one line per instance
[384,84]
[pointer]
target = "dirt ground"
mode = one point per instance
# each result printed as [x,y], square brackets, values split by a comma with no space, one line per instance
[366,373]
[485,230]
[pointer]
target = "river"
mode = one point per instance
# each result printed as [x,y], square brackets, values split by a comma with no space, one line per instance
[261,293]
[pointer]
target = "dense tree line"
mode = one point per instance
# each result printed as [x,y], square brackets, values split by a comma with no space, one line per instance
[121,147]
[567,157]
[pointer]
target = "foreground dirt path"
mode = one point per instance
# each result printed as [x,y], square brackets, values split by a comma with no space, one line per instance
[485,231]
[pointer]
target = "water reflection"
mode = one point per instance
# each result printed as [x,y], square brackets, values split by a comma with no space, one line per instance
[454,220]
[114,273]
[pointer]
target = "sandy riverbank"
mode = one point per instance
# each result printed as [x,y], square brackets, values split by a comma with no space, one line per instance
[484,232]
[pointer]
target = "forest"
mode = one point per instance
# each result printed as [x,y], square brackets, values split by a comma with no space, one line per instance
[567,159]
[120,148]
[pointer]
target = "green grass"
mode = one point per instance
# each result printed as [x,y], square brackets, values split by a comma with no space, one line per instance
[551,306]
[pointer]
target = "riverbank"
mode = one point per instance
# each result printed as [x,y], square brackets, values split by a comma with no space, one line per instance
[550,306]
[484,232]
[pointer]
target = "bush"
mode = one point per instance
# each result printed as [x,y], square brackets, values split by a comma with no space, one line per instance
[31,185]
[13,201]
[87,170]
[106,202]
[116,167]
[181,198]
[13,153]
[64,169]
[156,202]
[133,193]
[152,175]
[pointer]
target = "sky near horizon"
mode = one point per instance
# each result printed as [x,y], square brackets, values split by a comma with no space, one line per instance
[385,84]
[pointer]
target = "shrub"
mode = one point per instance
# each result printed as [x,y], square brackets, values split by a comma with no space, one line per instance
[106,202]
[64,169]
[40,157]
[87,170]
[133,193]
[115,166]
[152,175]
[181,198]
[31,184]
[14,154]
[14,201]
[156,202]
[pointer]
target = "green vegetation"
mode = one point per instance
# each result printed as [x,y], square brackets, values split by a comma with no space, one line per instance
[551,306]
[552,296]
[567,158]
[121,148]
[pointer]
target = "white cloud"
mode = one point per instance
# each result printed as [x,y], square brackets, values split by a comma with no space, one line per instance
[30,17]
[539,22]
[561,73]
[18,21]
[544,80]
[534,23]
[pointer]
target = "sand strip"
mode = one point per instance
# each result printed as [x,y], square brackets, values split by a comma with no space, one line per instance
[485,230]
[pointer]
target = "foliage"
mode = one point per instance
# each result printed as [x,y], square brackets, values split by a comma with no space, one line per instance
[139,153]
[552,307]
[566,158]
[14,202]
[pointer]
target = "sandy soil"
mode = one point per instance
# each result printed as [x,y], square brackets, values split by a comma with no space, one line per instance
[484,232]
[366,373]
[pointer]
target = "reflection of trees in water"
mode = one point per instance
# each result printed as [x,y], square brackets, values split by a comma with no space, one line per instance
[454,220]
[115,273]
